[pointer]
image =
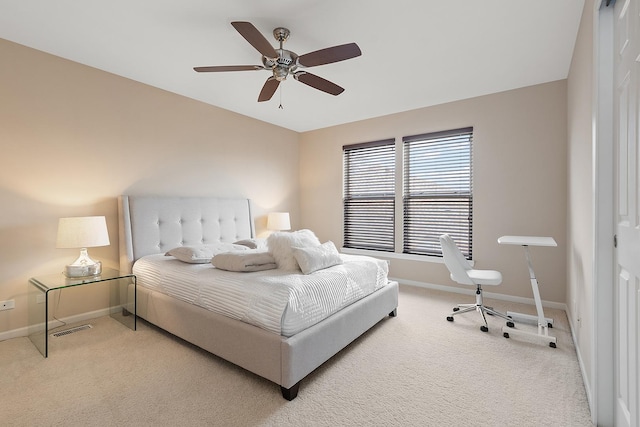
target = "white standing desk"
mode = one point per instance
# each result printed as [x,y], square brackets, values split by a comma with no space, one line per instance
[544,323]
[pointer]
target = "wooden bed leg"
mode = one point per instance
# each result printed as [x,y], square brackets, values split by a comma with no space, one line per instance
[394,313]
[290,393]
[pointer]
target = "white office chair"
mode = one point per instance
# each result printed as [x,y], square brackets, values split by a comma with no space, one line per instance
[462,272]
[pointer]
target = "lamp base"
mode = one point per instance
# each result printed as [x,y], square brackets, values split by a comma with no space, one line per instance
[79,271]
[83,266]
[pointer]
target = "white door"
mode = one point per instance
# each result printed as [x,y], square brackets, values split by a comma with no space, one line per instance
[627,255]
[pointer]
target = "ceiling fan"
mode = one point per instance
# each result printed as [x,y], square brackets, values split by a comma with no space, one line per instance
[282,62]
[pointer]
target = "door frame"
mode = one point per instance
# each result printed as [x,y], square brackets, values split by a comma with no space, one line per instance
[602,342]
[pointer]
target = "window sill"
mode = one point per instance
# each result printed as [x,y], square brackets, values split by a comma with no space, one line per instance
[393,255]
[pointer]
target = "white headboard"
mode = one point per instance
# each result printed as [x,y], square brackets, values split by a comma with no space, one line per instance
[155,224]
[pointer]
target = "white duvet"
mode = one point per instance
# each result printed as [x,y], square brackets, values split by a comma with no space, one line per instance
[278,301]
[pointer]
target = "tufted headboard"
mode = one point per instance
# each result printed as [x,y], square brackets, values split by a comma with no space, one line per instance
[155,224]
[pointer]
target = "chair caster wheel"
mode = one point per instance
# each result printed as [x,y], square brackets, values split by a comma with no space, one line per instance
[552,345]
[456,308]
[506,335]
[511,324]
[450,318]
[550,325]
[484,329]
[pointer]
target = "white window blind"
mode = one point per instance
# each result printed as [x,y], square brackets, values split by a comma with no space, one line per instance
[438,194]
[369,195]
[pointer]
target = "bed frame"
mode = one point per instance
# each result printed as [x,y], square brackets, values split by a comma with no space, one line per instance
[154,224]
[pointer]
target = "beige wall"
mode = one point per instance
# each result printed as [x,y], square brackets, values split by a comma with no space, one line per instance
[580,103]
[520,185]
[73,138]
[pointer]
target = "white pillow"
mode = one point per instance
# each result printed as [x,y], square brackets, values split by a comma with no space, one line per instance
[255,243]
[317,257]
[201,254]
[281,243]
[251,260]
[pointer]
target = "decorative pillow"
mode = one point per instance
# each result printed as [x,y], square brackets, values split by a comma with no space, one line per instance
[201,254]
[281,243]
[317,257]
[244,261]
[256,243]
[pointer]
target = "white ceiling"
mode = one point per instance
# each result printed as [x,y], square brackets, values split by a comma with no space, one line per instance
[415,53]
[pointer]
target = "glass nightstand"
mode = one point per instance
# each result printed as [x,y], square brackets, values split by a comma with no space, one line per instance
[122,301]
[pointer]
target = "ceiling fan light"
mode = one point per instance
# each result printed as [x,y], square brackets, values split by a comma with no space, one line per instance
[280,73]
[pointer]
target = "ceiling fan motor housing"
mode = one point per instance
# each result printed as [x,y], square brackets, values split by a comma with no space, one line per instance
[285,63]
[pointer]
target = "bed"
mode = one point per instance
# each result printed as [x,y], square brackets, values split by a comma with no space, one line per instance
[149,226]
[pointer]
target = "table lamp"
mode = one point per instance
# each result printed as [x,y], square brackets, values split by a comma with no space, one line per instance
[82,232]
[278,221]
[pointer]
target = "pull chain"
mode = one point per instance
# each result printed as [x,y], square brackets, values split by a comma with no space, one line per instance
[280,106]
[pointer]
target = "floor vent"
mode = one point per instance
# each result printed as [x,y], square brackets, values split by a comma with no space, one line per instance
[71,330]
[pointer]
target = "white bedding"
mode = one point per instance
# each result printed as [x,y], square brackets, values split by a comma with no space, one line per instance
[279,301]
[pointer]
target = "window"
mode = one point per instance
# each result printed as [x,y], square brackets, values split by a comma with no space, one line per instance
[369,195]
[438,196]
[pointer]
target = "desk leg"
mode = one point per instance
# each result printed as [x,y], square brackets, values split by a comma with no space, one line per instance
[543,322]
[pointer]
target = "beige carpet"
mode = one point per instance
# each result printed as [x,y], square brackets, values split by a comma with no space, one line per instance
[413,370]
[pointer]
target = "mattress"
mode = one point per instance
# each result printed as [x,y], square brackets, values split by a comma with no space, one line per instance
[279,301]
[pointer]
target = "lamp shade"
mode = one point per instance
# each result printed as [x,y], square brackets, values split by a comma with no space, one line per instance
[278,221]
[82,232]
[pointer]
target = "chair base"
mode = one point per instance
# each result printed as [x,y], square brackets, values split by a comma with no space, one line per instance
[482,309]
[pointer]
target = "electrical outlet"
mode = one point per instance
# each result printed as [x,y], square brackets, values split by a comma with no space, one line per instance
[7,305]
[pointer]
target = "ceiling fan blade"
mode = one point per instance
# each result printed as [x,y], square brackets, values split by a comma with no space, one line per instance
[269,88]
[228,68]
[318,83]
[255,38]
[329,55]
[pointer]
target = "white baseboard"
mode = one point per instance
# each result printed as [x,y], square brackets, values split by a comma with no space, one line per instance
[502,297]
[583,372]
[23,332]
